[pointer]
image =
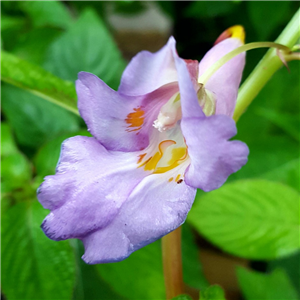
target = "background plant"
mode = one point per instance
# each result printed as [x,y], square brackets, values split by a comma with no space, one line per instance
[254,216]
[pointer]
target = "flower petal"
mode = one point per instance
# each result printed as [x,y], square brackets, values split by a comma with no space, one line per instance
[148,71]
[225,82]
[155,207]
[189,101]
[119,122]
[103,198]
[88,189]
[213,157]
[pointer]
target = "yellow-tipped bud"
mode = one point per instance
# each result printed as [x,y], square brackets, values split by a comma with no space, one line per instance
[236,31]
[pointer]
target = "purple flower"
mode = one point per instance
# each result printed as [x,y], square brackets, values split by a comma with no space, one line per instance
[155,141]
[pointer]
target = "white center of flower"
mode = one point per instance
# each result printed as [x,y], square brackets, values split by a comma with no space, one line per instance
[169,114]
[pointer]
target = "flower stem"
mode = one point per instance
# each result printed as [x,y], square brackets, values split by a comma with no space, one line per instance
[269,64]
[172,263]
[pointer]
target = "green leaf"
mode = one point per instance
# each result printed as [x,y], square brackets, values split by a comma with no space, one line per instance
[167,7]
[47,157]
[90,286]
[33,120]
[288,173]
[290,123]
[143,268]
[15,172]
[266,154]
[87,46]
[43,13]
[254,219]
[128,7]
[33,266]
[8,145]
[282,94]
[38,81]
[274,286]
[192,269]
[206,9]
[33,45]
[182,297]
[290,265]
[214,292]
[8,22]
[277,13]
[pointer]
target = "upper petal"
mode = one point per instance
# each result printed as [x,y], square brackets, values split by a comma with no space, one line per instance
[213,157]
[148,71]
[119,122]
[225,82]
[88,189]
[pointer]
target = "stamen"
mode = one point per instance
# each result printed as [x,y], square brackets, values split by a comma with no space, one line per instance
[169,114]
[207,101]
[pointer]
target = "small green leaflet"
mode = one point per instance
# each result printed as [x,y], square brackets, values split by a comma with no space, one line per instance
[214,292]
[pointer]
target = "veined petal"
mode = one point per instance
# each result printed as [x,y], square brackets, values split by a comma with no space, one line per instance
[148,71]
[109,202]
[213,157]
[225,82]
[119,122]
[156,206]
[89,188]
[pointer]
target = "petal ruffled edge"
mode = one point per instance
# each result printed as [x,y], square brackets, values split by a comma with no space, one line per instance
[155,207]
[213,156]
[88,189]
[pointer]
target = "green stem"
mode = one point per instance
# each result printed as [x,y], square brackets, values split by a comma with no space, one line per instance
[269,64]
[172,263]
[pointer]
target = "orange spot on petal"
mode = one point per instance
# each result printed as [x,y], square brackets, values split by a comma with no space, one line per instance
[135,120]
[141,157]
[170,179]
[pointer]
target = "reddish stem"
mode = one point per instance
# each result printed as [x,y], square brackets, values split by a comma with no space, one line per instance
[172,263]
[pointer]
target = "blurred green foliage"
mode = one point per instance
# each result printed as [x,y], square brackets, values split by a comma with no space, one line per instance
[80,49]
[182,297]
[274,286]
[214,292]
[67,37]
